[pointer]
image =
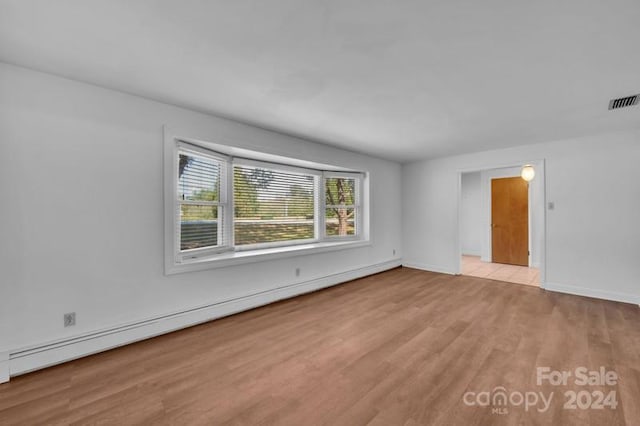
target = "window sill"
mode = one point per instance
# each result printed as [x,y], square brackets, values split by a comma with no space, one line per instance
[222,260]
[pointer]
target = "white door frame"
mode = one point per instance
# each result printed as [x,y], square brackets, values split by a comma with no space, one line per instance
[539,166]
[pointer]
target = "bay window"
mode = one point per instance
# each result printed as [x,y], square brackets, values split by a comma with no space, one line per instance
[225,206]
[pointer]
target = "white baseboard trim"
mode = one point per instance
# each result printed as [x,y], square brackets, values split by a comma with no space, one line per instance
[595,293]
[24,360]
[4,367]
[427,267]
[472,253]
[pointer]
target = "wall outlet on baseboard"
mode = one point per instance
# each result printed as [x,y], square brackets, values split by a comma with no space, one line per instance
[70,319]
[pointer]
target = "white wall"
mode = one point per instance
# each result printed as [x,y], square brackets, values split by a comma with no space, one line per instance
[82,211]
[592,235]
[471,214]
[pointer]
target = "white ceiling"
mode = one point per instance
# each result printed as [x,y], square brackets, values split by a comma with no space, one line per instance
[397,79]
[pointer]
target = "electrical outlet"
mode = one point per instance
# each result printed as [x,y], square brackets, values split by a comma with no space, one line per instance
[297,272]
[394,252]
[70,319]
[551,205]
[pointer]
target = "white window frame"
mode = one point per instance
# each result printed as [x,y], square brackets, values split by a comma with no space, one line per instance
[177,261]
[357,206]
[223,204]
[285,168]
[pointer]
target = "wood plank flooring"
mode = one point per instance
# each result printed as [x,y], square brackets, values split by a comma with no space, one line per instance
[399,348]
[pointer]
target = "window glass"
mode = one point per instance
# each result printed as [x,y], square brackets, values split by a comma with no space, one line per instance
[272,205]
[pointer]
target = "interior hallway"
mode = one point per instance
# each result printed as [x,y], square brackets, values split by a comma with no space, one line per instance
[473,266]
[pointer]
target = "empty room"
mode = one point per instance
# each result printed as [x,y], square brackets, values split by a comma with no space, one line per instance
[319,212]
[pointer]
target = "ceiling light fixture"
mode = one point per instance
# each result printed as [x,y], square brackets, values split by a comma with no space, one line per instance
[527,172]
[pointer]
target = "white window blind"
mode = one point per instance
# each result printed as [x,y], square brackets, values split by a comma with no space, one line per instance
[341,206]
[273,206]
[201,201]
[218,203]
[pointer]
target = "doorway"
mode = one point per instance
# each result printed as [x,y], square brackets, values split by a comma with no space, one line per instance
[501,224]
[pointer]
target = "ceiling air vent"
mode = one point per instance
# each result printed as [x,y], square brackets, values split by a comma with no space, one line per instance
[623,102]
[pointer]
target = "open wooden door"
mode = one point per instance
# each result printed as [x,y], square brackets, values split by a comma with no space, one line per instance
[510,221]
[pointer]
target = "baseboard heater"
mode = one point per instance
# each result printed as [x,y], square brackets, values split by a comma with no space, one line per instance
[36,357]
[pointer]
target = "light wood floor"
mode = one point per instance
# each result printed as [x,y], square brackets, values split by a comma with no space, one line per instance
[473,266]
[397,348]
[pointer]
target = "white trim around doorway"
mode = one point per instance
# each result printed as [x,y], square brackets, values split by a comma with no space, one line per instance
[539,166]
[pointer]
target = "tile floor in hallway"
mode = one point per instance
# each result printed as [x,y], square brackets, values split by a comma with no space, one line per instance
[473,266]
